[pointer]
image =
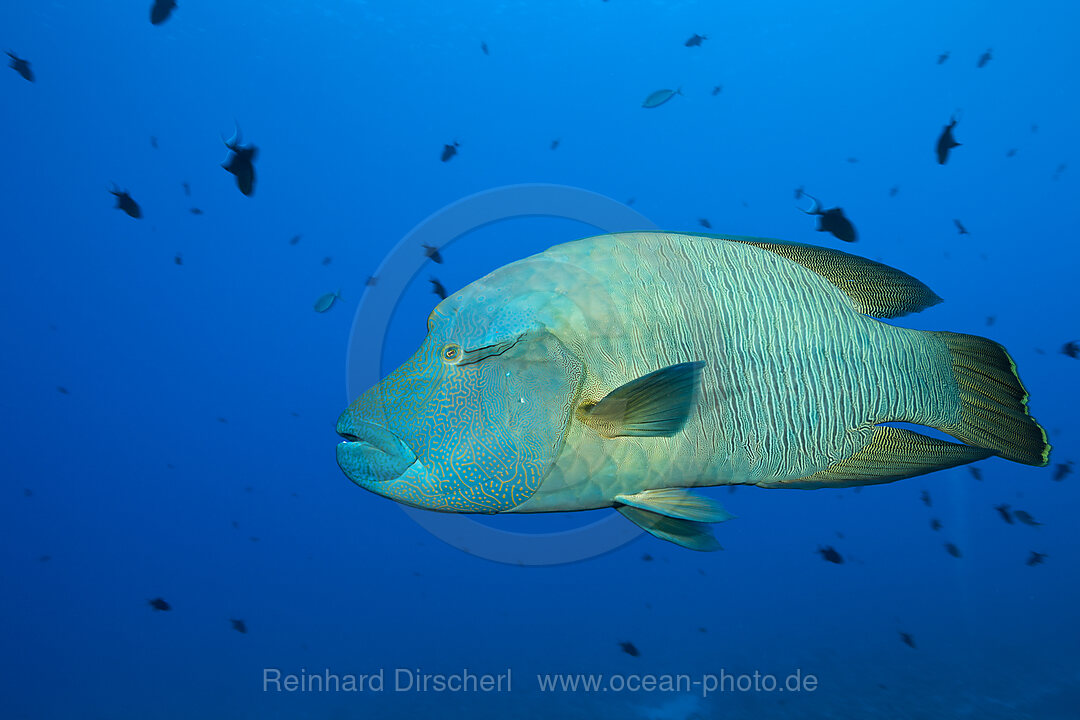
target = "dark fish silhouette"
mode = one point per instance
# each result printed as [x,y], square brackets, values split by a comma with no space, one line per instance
[27,492]
[1057,171]
[433,253]
[990,319]
[985,58]
[695,40]
[241,162]
[1003,511]
[853,160]
[925,497]
[646,557]
[125,202]
[1062,470]
[160,604]
[829,554]
[942,57]
[946,142]
[178,260]
[21,66]
[960,227]
[935,524]
[327,260]
[437,288]
[893,190]
[629,649]
[195,211]
[717,90]
[908,639]
[555,144]
[161,10]
[372,281]
[831,221]
[187,189]
[1071,348]
[1011,152]
[62,390]
[484,48]
[704,222]
[1025,518]
[449,151]
[952,550]
[659,97]
[294,239]
[153,142]
[1036,558]
[238,625]
[975,473]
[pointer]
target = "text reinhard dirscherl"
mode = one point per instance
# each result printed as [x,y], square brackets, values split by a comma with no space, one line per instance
[415,680]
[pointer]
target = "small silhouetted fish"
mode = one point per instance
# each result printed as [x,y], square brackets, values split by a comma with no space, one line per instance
[717,89]
[327,260]
[437,288]
[27,492]
[153,142]
[21,66]
[960,227]
[829,554]
[62,390]
[1003,511]
[555,144]
[985,58]
[45,558]
[1071,348]
[241,162]
[946,142]
[1011,152]
[161,10]
[371,281]
[327,301]
[223,421]
[990,320]
[484,48]
[893,190]
[659,97]
[238,625]
[433,253]
[646,557]
[704,222]
[449,151]
[629,649]
[695,40]
[832,221]
[125,202]
[942,57]
[952,550]
[908,639]
[1036,558]
[925,497]
[1025,517]
[935,524]
[294,239]
[702,630]
[1057,171]
[195,211]
[160,604]
[853,160]
[1062,470]
[975,473]
[187,189]
[178,260]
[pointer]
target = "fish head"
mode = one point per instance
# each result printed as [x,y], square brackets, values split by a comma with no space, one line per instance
[474,421]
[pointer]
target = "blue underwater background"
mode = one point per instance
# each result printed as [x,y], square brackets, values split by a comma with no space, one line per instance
[170,395]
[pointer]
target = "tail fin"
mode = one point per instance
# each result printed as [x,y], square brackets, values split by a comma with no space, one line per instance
[993,402]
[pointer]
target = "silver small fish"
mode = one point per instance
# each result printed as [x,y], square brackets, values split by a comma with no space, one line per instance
[660,97]
[327,301]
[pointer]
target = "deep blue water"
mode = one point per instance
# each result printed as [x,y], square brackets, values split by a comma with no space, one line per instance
[190,455]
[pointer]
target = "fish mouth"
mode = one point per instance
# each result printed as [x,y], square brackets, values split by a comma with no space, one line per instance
[371,455]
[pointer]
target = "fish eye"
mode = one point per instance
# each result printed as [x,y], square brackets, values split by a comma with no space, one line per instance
[451,352]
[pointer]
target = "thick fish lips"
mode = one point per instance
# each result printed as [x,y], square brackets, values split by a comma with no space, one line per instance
[371,455]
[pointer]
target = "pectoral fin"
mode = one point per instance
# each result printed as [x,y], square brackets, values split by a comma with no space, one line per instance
[677,503]
[687,533]
[654,405]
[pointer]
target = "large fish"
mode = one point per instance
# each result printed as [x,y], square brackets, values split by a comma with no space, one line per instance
[623,370]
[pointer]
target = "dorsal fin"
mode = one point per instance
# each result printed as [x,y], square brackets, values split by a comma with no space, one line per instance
[875,289]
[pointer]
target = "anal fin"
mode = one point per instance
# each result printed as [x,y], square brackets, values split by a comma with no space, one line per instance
[687,533]
[892,454]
